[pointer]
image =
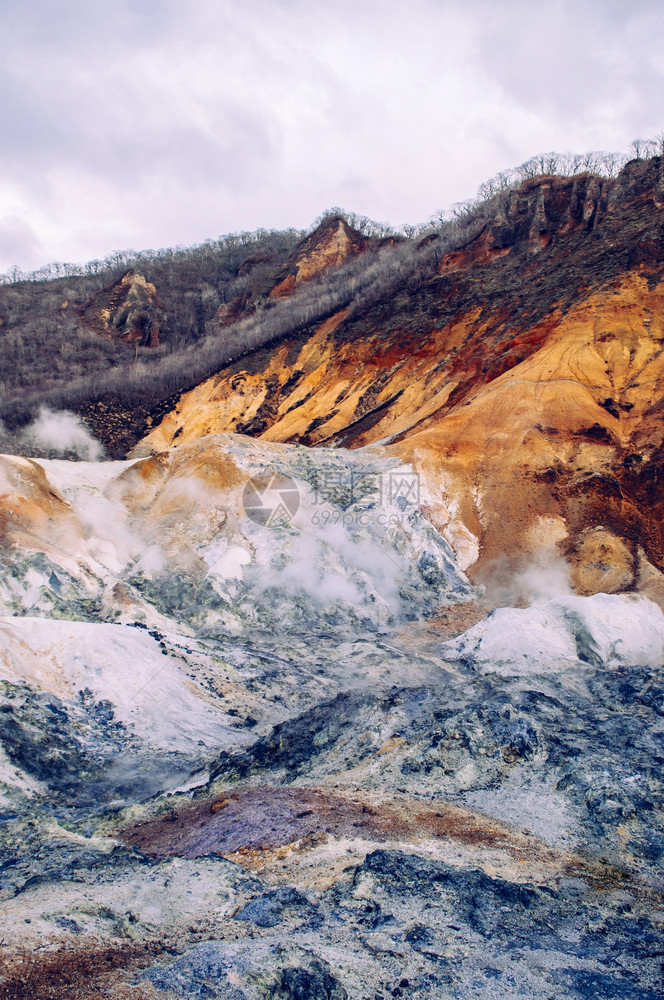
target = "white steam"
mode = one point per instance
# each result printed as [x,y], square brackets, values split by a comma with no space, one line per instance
[110,538]
[330,564]
[317,570]
[63,432]
[542,578]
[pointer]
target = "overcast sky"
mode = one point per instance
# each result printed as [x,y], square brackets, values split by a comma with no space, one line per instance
[149,123]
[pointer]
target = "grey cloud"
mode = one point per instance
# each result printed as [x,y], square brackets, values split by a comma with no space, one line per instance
[122,147]
[84,28]
[63,112]
[19,244]
[569,59]
[193,120]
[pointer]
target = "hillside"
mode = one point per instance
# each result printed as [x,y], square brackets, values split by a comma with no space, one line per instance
[520,374]
[117,342]
[74,339]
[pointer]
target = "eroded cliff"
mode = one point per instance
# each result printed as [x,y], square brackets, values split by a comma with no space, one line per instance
[522,378]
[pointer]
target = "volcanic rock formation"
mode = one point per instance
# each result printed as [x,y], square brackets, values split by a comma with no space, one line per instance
[129,310]
[522,380]
[348,682]
[333,242]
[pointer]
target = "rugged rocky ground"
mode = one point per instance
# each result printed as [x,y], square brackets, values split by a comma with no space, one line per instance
[347,682]
[251,747]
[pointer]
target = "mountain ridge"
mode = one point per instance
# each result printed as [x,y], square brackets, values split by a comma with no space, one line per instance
[190,288]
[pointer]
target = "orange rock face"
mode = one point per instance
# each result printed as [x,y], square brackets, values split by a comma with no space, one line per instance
[561,437]
[32,512]
[523,380]
[333,242]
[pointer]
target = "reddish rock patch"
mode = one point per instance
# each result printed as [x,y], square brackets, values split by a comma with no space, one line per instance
[90,972]
[266,818]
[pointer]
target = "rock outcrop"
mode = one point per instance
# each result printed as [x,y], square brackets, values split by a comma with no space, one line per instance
[129,310]
[332,242]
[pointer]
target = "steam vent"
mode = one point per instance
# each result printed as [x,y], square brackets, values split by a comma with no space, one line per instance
[331,635]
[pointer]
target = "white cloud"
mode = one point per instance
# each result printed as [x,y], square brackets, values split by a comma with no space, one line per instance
[151,124]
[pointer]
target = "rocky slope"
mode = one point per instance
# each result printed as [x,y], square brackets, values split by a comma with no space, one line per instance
[332,243]
[522,379]
[251,747]
[129,309]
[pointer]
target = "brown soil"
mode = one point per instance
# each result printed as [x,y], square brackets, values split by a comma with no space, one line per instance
[250,820]
[253,827]
[76,972]
[449,622]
